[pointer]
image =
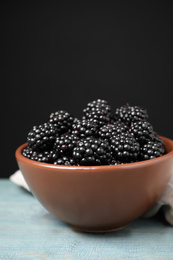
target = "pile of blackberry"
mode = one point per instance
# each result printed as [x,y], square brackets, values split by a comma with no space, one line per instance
[100,137]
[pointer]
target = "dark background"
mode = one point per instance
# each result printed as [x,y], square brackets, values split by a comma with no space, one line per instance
[61,55]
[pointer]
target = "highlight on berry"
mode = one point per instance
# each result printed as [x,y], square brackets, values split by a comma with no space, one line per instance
[100,137]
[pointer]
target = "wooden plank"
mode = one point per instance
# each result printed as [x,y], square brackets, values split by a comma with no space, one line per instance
[28,231]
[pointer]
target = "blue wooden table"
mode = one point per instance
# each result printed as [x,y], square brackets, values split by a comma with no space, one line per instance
[28,231]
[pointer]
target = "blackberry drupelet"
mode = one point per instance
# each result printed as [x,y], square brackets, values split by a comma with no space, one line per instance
[151,150]
[92,151]
[129,114]
[110,130]
[125,148]
[64,144]
[62,121]
[98,111]
[142,131]
[44,156]
[42,137]
[65,161]
[84,128]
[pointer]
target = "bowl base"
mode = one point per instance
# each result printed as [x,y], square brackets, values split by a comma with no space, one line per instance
[92,230]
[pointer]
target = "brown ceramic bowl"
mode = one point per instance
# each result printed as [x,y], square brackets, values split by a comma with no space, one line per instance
[98,198]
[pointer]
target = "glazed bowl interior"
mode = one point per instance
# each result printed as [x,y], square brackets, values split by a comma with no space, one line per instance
[98,198]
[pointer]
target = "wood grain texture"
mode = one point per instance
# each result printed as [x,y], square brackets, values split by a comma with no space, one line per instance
[28,231]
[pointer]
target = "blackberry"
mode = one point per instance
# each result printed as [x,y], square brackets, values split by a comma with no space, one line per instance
[114,161]
[125,148]
[65,161]
[102,104]
[41,137]
[64,144]
[142,131]
[44,156]
[98,111]
[62,121]
[151,150]
[110,130]
[129,114]
[84,128]
[158,140]
[92,151]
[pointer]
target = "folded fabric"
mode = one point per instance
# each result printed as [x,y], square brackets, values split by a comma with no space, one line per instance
[165,202]
[17,178]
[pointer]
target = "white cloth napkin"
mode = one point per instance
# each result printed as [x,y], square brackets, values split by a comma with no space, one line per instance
[165,202]
[17,178]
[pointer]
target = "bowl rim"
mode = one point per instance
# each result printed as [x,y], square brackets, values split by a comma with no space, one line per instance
[19,157]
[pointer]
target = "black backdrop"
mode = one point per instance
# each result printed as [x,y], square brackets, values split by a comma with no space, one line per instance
[61,55]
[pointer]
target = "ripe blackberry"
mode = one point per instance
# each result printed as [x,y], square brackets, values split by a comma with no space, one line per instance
[151,150]
[114,161]
[62,121]
[125,148]
[44,156]
[110,130]
[41,137]
[158,140]
[142,131]
[84,128]
[65,161]
[98,111]
[92,151]
[102,104]
[64,144]
[129,114]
